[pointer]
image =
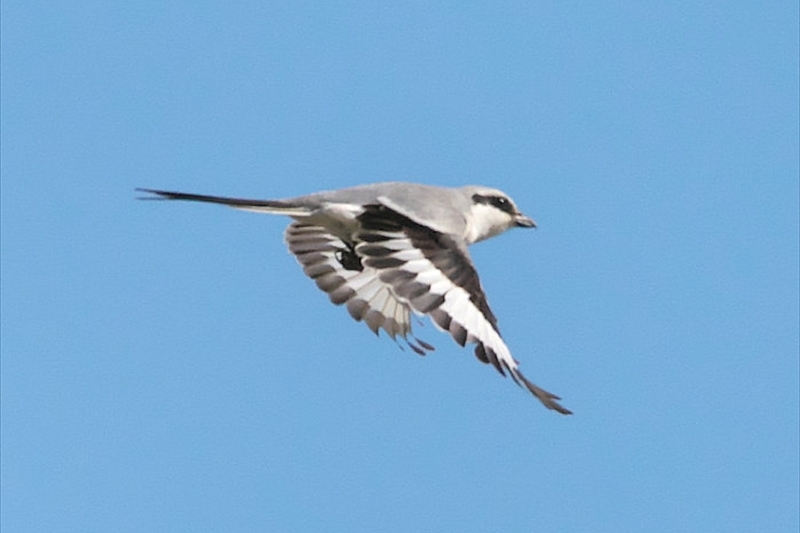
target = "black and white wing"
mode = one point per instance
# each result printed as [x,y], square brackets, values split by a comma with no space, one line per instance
[338,271]
[395,265]
[434,274]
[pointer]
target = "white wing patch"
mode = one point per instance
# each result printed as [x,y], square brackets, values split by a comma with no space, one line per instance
[427,290]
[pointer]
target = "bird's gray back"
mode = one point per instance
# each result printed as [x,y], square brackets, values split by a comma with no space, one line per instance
[440,208]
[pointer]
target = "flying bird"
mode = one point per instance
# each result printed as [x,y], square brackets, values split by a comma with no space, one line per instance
[385,250]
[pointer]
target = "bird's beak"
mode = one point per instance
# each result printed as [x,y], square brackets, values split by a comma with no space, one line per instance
[524,222]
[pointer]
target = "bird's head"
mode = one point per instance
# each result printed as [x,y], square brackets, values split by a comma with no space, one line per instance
[492,212]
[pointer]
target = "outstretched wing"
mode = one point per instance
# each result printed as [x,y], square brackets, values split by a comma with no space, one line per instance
[433,273]
[338,271]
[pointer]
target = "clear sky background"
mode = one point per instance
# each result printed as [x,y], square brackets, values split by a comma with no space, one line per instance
[168,367]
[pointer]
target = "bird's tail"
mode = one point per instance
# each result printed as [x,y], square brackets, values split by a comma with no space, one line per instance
[277,207]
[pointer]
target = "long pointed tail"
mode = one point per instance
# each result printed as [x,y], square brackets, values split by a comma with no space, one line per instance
[277,207]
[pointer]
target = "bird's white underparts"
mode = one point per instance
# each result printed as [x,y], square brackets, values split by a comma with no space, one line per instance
[387,250]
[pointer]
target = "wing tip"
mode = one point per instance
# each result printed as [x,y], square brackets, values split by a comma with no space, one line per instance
[549,399]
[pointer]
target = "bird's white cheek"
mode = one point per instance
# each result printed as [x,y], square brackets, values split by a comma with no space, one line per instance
[485,222]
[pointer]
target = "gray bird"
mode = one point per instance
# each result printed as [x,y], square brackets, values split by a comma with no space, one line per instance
[386,249]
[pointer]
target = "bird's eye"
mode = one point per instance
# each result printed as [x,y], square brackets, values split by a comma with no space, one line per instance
[502,203]
[499,201]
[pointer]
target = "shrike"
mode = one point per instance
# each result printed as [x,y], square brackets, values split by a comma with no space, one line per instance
[386,249]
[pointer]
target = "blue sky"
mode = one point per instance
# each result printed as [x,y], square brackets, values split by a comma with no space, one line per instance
[167,367]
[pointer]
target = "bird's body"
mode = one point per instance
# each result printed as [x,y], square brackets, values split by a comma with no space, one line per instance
[388,249]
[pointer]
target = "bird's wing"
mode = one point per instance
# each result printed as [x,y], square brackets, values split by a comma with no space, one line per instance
[433,274]
[338,271]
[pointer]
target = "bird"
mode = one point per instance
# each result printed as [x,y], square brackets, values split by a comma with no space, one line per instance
[390,250]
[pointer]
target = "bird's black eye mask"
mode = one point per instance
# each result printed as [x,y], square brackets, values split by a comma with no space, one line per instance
[500,202]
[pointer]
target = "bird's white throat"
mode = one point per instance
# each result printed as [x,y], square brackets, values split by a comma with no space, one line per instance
[485,221]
